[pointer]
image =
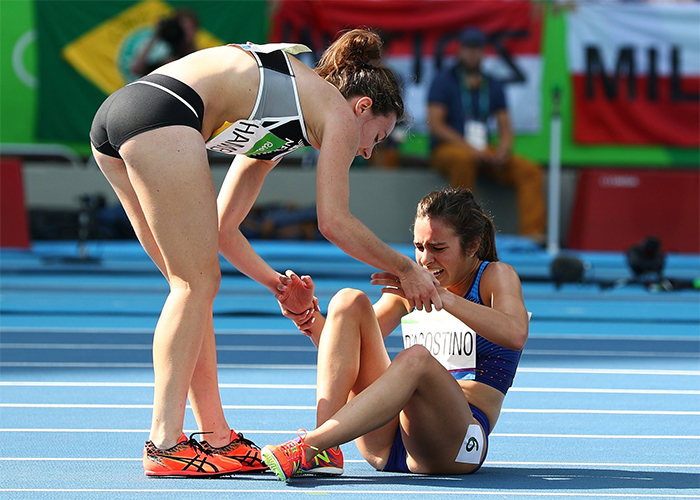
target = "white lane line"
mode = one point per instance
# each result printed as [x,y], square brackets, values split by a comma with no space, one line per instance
[573,390]
[609,371]
[356,461]
[633,354]
[293,332]
[132,431]
[354,492]
[235,366]
[249,431]
[34,364]
[150,384]
[597,412]
[268,348]
[139,331]
[591,436]
[244,366]
[145,406]
[546,411]
[581,464]
[611,337]
[672,392]
[148,347]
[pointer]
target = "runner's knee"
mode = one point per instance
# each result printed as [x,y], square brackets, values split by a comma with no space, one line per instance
[414,360]
[203,283]
[350,301]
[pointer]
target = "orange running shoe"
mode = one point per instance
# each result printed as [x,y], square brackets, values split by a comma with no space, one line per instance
[286,458]
[327,463]
[242,450]
[186,458]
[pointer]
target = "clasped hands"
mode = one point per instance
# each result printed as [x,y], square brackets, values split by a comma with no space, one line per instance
[297,301]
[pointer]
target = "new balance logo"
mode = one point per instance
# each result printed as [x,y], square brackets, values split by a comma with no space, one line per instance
[321,456]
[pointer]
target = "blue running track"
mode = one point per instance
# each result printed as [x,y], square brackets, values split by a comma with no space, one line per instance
[606,403]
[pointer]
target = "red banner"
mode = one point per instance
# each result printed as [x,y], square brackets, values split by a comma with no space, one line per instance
[636,74]
[421,36]
[410,26]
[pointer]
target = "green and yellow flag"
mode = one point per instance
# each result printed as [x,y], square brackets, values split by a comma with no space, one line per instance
[86,47]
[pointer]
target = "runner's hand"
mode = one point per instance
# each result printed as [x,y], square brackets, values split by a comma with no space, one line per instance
[302,321]
[418,286]
[295,294]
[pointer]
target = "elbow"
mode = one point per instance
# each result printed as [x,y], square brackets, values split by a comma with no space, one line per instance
[329,227]
[518,340]
[325,228]
[228,222]
[228,230]
[225,227]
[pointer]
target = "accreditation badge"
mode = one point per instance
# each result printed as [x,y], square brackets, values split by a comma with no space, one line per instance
[447,338]
[476,134]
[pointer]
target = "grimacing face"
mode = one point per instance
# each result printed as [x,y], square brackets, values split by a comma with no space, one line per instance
[439,250]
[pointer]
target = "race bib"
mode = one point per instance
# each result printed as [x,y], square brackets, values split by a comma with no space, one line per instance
[449,340]
[472,446]
[244,137]
[476,134]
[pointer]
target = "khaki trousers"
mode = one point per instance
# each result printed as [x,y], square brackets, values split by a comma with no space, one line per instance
[461,168]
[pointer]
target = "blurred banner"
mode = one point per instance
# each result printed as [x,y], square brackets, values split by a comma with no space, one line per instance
[85,50]
[635,73]
[420,37]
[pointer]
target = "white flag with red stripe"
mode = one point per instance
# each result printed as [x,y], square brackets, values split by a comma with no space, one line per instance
[635,73]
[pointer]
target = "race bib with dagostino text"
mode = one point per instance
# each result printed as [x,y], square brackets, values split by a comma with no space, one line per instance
[447,338]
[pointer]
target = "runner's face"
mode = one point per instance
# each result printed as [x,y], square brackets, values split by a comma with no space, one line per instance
[373,131]
[439,251]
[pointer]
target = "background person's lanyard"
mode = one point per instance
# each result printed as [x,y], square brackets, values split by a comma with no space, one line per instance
[483,101]
[476,132]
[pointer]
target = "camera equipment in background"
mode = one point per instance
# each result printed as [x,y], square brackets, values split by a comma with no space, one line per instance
[566,269]
[647,259]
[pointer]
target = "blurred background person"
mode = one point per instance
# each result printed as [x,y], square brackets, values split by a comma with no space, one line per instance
[461,101]
[173,38]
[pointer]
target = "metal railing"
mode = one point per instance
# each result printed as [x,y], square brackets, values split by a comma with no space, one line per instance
[45,150]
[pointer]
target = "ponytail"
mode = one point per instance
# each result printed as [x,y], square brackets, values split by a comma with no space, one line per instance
[354,49]
[353,65]
[487,246]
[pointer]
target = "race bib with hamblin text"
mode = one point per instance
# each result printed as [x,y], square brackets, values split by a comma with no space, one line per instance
[246,137]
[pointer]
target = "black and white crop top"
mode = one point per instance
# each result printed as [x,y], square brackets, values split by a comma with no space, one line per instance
[276,126]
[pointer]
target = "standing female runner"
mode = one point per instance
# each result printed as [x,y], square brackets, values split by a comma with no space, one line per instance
[150,139]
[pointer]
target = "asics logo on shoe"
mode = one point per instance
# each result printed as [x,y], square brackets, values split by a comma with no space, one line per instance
[243,450]
[186,458]
[250,459]
[196,463]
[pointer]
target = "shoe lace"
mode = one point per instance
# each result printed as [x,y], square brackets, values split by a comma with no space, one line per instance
[290,448]
[245,441]
[295,448]
[196,444]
